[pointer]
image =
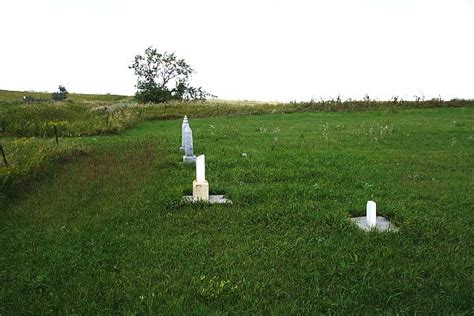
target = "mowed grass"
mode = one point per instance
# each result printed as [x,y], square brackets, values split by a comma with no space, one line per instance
[106,232]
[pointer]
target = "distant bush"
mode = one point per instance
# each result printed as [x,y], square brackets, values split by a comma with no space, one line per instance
[60,95]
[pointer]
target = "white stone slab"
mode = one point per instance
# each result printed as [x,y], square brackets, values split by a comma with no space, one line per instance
[213,199]
[382,224]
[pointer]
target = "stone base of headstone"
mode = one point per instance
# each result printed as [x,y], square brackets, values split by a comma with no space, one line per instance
[213,199]
[200,191]
[382,224]
[181,148]
[189,159]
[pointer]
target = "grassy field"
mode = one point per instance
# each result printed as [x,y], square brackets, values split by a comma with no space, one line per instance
[7,96]
[88,115]
[104,230]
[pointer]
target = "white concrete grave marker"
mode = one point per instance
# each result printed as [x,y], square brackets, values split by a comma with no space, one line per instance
[200,185]
[201,168]
[188,145]
[183,128]
[373,222]
[371,214]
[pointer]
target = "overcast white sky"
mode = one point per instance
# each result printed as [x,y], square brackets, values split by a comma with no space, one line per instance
[273,50]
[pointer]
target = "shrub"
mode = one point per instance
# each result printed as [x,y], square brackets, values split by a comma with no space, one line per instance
[60,95]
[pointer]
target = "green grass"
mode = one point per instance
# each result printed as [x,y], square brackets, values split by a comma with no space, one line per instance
[106,233]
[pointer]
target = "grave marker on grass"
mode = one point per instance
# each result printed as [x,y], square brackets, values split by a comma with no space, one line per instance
[201,187]
[189,156]
[183,127]
[373,222]
[371,214]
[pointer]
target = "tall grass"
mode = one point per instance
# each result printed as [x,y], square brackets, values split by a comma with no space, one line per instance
[30,158]
[71,119]
[86,117]
[7,96]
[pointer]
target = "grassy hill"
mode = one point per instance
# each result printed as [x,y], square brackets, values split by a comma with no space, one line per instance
[17,96]
[100,228]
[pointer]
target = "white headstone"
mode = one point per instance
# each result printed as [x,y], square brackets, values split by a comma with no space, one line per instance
[200,185]
[183,128]
[200,169]
[371,214]
[371,221]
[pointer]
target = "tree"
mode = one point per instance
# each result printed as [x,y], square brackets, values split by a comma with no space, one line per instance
[163,77]
[60,95]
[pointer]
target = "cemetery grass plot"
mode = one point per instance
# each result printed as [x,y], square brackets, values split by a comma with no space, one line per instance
[106,232]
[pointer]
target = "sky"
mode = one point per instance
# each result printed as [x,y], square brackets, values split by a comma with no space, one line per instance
[265,50]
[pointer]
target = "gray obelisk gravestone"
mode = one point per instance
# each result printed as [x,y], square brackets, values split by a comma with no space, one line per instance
[189,156]
[183,127]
